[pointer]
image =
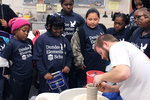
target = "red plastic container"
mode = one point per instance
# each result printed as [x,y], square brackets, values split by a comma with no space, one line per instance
[91,74]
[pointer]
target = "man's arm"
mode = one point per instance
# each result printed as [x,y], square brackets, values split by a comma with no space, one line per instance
[118,74]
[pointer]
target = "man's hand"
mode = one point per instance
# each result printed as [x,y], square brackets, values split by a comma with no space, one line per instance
[104,87]
[66,69]
[48,76]
[4,23]
[97,80]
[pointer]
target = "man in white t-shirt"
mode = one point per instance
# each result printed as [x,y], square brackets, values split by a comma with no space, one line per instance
[131,68]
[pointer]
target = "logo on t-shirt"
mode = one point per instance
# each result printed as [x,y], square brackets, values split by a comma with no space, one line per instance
[24,57]
[92,40]
[2,47]
[121,39]
[101,33]
[69,28]
[50,57]
[25,52]
[142,47]
[72,24]
[55,51]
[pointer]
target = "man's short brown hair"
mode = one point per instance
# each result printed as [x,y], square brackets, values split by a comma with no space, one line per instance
[104,37]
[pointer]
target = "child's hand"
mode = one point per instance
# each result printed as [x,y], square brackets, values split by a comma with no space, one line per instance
[48,76]
[82,67]
[66,69]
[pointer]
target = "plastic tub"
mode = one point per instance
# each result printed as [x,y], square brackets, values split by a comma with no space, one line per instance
[91,74]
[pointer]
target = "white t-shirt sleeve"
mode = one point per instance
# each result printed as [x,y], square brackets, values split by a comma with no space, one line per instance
[119,56]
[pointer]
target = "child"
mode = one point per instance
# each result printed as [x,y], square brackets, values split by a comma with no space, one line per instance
[138,13]
[19,51]
[72,21]
[136,4]
[119,31]
[142,38]
[85,58]
[48,51]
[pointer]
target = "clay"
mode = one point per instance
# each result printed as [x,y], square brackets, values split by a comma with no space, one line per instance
[91,94]
[42,98]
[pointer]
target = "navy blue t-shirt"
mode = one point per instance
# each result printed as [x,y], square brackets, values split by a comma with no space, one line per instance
[142,42]
[72,21]
[92,59]
[49,50]
[123,35]
[20,53]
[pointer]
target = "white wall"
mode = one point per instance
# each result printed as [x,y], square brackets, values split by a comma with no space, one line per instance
[124,6]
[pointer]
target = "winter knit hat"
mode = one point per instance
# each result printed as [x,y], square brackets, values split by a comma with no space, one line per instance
[17,22]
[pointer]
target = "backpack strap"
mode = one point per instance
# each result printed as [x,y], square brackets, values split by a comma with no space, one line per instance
[63,52]
[81,34]
[133,34]
[103,27]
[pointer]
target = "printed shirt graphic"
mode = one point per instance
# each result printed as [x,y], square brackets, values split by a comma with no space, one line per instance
[55,51]
[3,41]
[2,46]
[72,21]
[91,36]
[20,53]
[142,42]
[25,52]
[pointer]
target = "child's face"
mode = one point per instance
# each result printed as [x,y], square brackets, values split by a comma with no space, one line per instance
[67,6]
[144,21]
[119,24]
[22,33]
[92,20]
[138,4]
[138,14]
[57,31]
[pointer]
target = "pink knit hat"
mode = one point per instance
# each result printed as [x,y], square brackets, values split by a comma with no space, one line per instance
[17,22]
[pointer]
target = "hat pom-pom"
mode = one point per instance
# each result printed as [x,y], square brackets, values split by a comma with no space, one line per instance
[11,21]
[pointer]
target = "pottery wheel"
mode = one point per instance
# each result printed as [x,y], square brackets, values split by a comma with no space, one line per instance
[83,97]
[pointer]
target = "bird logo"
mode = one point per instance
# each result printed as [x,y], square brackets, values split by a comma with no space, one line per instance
[73,23]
